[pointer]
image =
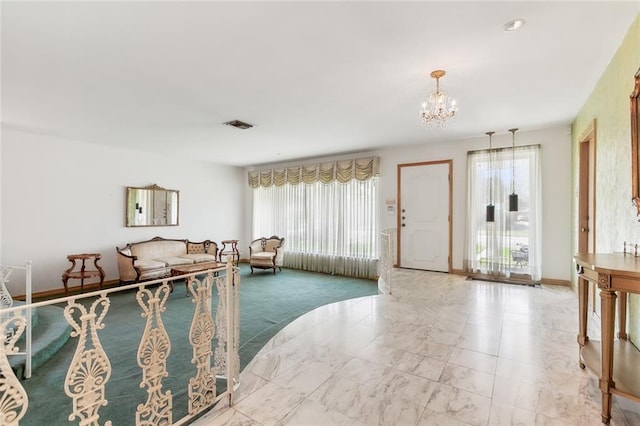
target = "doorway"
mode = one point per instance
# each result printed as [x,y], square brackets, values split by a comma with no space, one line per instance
[424,215]
[586,191]
[587,201]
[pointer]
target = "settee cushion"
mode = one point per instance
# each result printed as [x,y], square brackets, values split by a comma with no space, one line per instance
[199,257]
[159,248]
[148,264]
[174,260]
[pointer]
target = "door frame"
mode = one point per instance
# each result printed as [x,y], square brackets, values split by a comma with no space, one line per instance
[399,209]
[587,186]
[587,198]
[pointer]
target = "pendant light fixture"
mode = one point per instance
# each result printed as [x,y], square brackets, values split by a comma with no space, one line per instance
[513,197]
[491,209]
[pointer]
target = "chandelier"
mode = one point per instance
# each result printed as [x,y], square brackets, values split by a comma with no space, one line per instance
[438,107]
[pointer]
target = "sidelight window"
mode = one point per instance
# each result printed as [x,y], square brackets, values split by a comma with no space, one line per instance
[509,246]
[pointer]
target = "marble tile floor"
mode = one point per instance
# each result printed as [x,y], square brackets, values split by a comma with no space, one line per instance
[441,350]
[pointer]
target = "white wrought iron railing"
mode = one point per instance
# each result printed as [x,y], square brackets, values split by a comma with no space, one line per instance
[213,337]
[387,260]
[6,301]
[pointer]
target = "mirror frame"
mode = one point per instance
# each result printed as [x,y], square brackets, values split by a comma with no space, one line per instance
[128,206]
[635,141]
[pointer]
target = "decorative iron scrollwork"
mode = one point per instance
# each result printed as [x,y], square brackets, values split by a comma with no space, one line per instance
[153,352]
[202,387]
[13,397]
[220,353]
[227,315]
[6,301]
[90,368]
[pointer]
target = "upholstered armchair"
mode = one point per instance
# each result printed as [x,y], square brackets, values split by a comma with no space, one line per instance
[266,253]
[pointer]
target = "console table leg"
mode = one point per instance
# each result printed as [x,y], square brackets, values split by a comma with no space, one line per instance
[583,301]
[622,316]
[606,406]
[608,307]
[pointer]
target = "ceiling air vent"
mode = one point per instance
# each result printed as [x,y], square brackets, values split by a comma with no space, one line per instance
[239,124]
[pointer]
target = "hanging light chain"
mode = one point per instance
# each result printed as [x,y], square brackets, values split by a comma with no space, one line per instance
[490,134]
[513,163]
[513,198]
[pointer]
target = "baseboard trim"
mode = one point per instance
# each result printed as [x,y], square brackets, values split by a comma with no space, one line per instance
[554,281]
[51,294]
[518,280]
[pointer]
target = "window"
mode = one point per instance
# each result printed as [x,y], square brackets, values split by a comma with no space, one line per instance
[329,226]
[509,246]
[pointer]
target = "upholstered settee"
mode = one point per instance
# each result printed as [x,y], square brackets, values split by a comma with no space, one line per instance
[153,259]
[266,253]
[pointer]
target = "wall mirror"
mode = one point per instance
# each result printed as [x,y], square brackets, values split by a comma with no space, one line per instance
[635,140]
[152,206]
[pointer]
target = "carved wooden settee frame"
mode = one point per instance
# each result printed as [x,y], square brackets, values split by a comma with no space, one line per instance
[154,258]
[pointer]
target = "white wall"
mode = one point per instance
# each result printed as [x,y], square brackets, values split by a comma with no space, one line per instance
[61,197]
[556,182]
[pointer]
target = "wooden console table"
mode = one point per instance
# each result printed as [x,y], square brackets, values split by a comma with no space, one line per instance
[615,361]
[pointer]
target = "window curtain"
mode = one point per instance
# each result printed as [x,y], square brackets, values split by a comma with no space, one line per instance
[512,244]
[326,212]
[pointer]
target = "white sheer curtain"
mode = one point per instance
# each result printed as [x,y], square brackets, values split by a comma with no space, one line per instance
[511,245]
[328,227]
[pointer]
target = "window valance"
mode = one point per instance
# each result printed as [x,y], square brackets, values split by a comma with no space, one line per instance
[343,171]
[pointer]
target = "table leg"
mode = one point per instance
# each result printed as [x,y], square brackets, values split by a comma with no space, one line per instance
[186,286]
[99,269]
[622,315]
[583,301]
[64,282]
[608,305]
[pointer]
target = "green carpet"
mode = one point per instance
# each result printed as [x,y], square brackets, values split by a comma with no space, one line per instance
[45,320]
[267,304]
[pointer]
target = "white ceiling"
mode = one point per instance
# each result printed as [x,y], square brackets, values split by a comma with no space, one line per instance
[315,78]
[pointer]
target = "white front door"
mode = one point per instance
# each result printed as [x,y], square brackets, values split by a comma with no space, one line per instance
[423,215]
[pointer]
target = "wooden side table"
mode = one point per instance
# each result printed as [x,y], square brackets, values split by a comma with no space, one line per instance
[83,273]
[230,252]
